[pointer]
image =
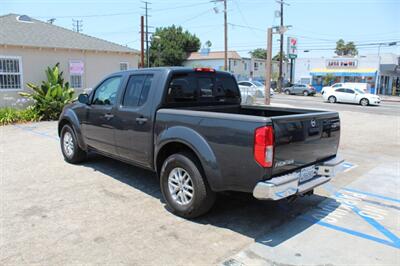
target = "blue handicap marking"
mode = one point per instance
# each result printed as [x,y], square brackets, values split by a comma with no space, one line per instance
[390,239]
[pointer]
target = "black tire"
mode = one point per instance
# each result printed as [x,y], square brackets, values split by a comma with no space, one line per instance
[332,99]
[305,93]
[364,102]
[203,197]
[78,155]
[287,92]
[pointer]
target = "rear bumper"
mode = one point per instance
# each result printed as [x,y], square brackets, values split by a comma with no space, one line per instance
[287,185]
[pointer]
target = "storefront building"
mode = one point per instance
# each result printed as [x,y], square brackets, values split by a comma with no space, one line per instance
[381,73]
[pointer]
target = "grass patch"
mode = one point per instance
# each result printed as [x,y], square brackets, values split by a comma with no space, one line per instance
[13,116]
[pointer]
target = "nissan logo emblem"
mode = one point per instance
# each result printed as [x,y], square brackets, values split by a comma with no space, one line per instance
[313,123]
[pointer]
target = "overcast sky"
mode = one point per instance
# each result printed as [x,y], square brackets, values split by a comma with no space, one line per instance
[316,24]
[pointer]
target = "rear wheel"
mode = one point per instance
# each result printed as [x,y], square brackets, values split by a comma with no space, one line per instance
[69,146]
[305,93]
[184,187]
[332,99]
[364,102]
[287,92]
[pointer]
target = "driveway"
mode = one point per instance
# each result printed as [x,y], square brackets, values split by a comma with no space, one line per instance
[108,212]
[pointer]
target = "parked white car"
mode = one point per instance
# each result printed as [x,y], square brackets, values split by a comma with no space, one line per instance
[346,95]
[255,87]
[365,87]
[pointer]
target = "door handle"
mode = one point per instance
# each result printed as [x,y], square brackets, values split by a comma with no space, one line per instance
[141,120]
[108,116]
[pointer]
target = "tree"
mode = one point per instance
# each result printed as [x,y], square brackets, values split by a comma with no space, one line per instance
[345,49]
[278,58]
[172,46]
[259,53]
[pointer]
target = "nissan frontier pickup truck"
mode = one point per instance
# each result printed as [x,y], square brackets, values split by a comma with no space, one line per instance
[189,127]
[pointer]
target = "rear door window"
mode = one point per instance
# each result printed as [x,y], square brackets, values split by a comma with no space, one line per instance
[137,90]
[340,90]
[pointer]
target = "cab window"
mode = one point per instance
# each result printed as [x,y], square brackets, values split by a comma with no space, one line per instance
[137,90]
[202,88]
[107,92]
[340,90]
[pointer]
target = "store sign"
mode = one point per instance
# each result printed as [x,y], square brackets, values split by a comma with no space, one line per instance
[76,67]
[341,63]
[292,47]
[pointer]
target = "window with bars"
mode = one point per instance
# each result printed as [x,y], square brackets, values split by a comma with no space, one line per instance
[75,81]
[123,66]
[10,73]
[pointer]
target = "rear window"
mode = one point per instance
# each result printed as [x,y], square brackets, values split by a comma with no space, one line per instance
[203,88]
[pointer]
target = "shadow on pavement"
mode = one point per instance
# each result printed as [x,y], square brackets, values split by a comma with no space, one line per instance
[239,212]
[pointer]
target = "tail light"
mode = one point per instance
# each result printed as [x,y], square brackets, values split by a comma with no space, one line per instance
[264,146]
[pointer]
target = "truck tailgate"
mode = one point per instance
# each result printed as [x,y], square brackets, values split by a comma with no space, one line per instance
[304,139]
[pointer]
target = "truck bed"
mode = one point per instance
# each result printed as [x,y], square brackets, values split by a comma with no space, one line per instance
[302,138]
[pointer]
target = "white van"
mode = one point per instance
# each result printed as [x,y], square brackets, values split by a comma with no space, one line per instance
[365,87]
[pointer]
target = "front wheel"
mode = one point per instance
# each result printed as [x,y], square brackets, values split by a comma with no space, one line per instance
[305,93]
[287,92]
[69,146]
[332,99]
[184,187]
[364,102]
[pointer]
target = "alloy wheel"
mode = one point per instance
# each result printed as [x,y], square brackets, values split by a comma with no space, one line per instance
[68,144]
[180,186]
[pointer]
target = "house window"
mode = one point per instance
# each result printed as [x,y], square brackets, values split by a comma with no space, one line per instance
[255,66]
[123,66]
[245,66]
[75,81]
[10,73]
[234,63]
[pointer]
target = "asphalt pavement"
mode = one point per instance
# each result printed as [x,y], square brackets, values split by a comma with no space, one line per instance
[107,212]
[316,102]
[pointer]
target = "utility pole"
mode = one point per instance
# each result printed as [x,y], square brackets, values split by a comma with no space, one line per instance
[225,31]
[147,32]
[268,68]
[226,36]
[142,41]
[280,79]
[77,25]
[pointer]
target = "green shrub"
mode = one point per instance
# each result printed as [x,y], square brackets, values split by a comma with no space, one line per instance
[12,115]
[50,97]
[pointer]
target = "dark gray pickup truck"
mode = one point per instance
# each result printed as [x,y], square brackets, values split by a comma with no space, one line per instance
[188,126]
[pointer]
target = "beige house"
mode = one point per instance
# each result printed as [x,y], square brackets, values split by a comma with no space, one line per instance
[29,46]
[242,67]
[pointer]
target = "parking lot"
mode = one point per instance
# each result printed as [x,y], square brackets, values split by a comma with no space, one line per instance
[108,212]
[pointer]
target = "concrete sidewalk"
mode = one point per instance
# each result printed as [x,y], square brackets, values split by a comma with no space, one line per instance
[387,98]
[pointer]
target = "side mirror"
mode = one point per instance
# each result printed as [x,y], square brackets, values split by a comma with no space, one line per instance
[83,98]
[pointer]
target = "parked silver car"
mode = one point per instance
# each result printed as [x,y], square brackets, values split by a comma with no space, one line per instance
[300,89]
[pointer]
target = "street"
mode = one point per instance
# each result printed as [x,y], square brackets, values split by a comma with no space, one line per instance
[316,102]
[108,212]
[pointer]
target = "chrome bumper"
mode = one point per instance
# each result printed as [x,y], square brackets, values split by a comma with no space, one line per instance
[287,185]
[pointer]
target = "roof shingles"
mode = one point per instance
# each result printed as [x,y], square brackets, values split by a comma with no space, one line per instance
[41,34]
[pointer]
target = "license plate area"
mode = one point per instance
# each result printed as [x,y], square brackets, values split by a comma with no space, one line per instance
[307,173]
